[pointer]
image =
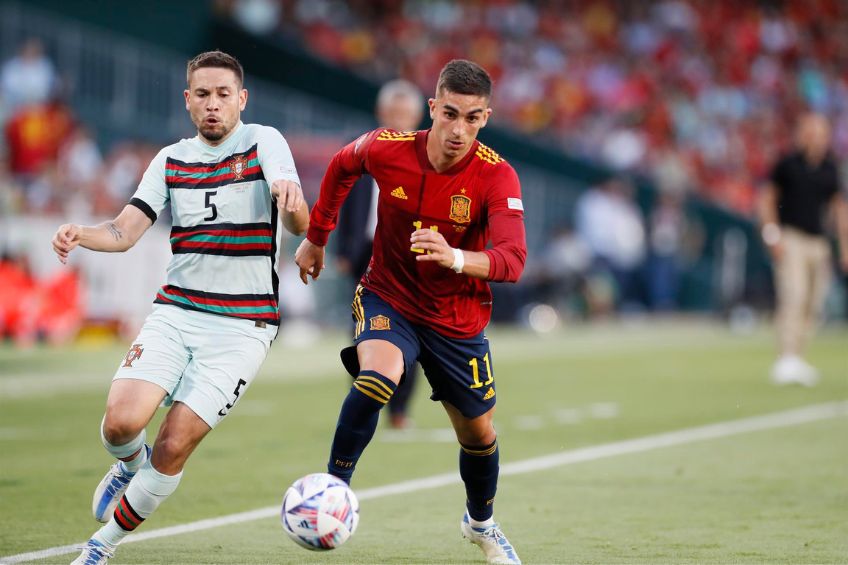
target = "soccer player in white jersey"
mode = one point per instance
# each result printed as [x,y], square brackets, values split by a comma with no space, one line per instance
[214,320]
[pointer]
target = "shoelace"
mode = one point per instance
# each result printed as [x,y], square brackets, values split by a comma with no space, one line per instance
[94,555]
[494,532]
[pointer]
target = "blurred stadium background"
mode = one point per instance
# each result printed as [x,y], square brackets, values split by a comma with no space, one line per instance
[655,120]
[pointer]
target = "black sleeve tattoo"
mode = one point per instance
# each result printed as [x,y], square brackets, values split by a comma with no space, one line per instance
[113,229]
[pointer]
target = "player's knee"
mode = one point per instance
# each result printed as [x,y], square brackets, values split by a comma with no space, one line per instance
[478,437]
[381,357]
[479,431]
[120,431]
[390,367]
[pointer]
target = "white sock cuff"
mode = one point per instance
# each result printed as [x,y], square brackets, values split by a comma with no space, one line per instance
[155,482]
[122,451]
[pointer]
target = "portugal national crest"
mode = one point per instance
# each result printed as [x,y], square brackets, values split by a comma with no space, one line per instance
[460,210]
[237,166]
[133,354]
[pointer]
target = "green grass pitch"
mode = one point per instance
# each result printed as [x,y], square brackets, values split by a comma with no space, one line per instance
[772,496]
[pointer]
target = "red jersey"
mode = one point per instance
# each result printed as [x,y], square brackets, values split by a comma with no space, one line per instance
[476,201]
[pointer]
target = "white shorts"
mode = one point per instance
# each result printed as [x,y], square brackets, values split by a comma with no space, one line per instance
[203,360]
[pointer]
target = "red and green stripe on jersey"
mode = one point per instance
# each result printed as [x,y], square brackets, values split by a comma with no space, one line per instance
[254,307]
[238,167]
[240,240]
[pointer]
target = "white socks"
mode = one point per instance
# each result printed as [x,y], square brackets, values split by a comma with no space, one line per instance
[481,525]
[133,465]
[147,490]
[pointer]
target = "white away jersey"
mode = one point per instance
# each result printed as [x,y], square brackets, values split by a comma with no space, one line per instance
[224,235]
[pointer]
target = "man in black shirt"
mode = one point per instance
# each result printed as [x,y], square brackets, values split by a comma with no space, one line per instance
[804,187]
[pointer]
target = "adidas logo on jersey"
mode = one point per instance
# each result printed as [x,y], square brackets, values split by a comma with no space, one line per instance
[399,193]
[489,394]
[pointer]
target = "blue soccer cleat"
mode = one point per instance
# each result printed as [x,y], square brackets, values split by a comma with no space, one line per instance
[93,553]
[111,489]
[492,541]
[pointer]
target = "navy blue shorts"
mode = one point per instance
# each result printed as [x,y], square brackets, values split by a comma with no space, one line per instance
[459,370]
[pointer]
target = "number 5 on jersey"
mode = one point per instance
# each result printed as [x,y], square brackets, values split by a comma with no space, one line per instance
[211,205]
[417,225]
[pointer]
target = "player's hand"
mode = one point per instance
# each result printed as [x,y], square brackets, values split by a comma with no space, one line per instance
[66,239]
[289,196]
[434,245]
[310,259]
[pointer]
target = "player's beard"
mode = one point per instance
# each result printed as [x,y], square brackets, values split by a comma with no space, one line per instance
[213,133]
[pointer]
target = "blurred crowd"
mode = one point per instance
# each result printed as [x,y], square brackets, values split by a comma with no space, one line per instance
[50,162]
[700,94]
[49,309]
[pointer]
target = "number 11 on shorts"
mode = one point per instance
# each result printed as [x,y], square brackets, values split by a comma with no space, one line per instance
[475,372]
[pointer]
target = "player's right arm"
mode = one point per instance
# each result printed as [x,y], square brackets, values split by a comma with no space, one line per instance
[113,236]
[124,231]
[345,168]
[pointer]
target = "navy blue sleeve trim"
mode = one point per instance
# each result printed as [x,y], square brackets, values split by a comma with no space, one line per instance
[144,207]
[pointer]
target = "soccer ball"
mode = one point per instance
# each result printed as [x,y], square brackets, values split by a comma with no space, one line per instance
[319,512]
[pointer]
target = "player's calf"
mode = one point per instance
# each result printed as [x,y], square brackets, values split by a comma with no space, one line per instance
[358,421]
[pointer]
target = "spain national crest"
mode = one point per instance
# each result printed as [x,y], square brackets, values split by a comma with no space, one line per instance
[460,210]
[237,166]
[380,322]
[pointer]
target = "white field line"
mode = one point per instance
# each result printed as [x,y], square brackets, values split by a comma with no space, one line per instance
[783,419]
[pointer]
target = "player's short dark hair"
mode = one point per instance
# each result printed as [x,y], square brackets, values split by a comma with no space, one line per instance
[465,77]
[217,59]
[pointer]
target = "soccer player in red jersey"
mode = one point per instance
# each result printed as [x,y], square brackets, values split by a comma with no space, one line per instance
[425,296]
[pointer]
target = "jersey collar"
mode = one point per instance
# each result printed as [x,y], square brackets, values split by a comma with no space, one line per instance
[424,161]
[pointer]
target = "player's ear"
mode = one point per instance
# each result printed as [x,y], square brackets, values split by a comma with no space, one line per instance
[486,113]
[186,94]
[431,102]
[242,99]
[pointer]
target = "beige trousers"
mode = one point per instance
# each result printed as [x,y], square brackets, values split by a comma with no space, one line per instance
[802,278]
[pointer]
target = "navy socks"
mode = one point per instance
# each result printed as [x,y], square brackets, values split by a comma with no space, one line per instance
[478,467]
[358,421]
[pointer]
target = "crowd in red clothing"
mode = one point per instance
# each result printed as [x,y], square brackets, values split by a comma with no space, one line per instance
[48,309]
[699,93]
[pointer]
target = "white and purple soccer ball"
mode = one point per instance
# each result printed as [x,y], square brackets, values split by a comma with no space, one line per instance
[320,512]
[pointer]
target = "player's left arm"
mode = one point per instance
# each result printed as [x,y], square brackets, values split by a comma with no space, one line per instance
[504,261]
[281,175]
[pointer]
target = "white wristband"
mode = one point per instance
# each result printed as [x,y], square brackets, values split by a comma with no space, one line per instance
[458,260]
[771,234]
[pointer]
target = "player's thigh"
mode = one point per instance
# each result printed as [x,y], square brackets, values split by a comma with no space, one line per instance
[460,372]
[151,369]
[384,341]
[223,366]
